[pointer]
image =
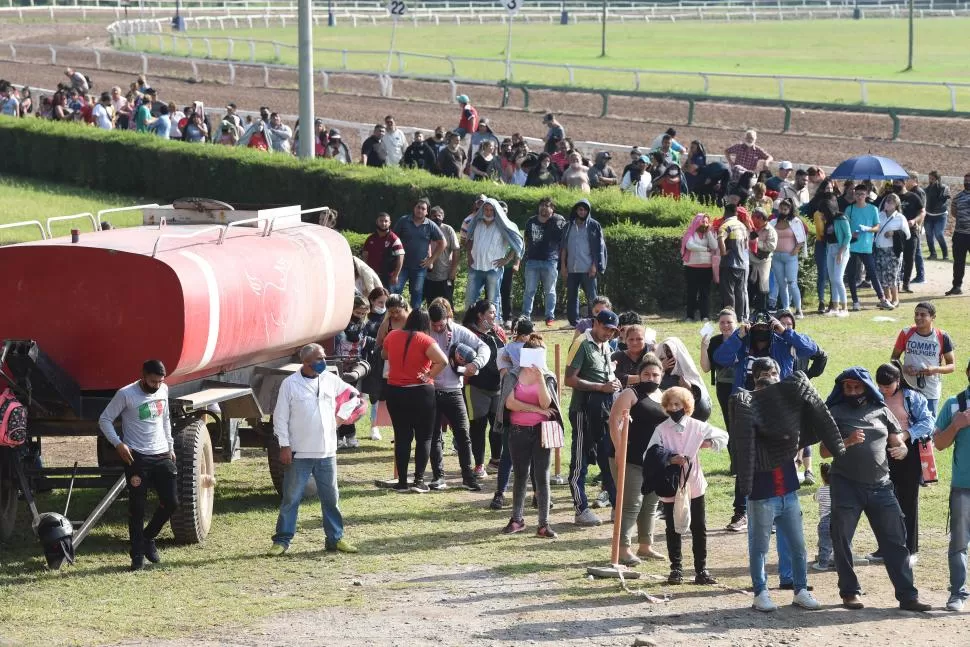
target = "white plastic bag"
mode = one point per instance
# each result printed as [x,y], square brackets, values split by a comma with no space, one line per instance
[682,509]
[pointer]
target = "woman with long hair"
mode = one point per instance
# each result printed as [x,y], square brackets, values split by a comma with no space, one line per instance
[834,228]
[414,360]
[694,166]
[530,398]
[642,401]
[792,237]
[917,422]
[888,247]
[698,247]
[483,390]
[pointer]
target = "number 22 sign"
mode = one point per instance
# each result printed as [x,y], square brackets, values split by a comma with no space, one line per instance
[397,8]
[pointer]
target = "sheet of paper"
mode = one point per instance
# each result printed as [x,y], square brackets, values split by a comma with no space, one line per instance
[532,357]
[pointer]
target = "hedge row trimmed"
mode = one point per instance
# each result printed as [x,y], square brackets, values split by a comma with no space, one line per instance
[137,164]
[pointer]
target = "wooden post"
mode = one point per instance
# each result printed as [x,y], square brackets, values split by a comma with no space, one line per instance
[558,452]
[620,472]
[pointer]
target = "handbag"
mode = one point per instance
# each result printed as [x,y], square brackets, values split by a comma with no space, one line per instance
[552,434]
[682,508]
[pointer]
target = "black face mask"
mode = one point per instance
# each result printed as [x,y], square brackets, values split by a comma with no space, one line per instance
[898,190]
[149,389]
[677,416]
[762,382]
[647,388]
[858,401]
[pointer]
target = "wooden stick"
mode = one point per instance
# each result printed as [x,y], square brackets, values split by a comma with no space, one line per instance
[620,472]
[558,452]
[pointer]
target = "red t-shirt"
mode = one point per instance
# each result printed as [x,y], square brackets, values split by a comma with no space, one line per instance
[379,252]
[405,367]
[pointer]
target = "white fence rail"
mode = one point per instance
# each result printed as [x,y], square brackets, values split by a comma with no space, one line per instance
[463,68]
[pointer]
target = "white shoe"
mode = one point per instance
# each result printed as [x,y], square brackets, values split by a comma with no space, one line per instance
[352,442]
[762,602]
[842,314]
[806,600]
[341,443]
[375,433]
[912,560]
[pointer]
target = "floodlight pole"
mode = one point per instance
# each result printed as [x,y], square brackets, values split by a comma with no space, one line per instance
[603,46]
[909,64]
[305,39]
[508,51]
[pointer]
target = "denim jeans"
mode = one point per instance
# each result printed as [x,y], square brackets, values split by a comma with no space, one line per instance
[934,226]
[784,290]
[959,538]
[821,265]
[849,500]
[491,280]
[573,282]
[548,273]
[825,539]
[835,270]
[786,513]
[414,278]
[324,472]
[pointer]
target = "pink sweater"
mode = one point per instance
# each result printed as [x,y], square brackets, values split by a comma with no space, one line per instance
[686,439]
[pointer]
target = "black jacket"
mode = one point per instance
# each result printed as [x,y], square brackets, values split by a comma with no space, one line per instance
[420,155]
[769,426]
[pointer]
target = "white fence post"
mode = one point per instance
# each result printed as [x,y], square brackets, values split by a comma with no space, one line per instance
[265,76]
[232,74]
[326,80]
[144,65]
[53,55]
[13,52]
[864,90]
[953,97]
[252,52]
[232,46]
[195,72]
[97,58]
[208,47]
[781,88]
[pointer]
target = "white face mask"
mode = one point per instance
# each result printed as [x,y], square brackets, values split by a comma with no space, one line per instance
[380,310]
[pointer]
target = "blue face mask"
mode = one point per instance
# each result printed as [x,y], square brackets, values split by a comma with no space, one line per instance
[319,367]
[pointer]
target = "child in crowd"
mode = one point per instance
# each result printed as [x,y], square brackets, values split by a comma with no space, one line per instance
[684,437]
[823,562]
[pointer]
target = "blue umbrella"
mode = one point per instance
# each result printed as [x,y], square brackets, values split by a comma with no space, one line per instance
[869,167]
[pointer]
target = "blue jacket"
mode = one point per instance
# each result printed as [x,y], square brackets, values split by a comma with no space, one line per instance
[921,421]
[597,246]
[734,352]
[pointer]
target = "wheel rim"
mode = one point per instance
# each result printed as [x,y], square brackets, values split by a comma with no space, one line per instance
[206,485]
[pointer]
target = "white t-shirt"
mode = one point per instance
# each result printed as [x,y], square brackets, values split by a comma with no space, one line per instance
[395,143]
[101,117]
[145,420]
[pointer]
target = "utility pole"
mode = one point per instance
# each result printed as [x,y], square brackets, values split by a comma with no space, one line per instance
[603,46]
[305,40]
[909,64]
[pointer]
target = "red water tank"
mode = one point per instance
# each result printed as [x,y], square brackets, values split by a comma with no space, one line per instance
[102,306]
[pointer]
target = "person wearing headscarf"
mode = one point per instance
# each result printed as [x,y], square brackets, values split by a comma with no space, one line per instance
[860,483]
[698,246]
[494,242]
[680,370]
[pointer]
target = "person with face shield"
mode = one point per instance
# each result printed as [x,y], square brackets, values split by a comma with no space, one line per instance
[860,483]
[916,421]
[148,453]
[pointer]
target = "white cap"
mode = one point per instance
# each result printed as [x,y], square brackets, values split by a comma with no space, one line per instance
[785,165]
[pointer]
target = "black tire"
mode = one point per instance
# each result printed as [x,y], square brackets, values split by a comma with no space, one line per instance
[277,469]
[8,495]
[195,482]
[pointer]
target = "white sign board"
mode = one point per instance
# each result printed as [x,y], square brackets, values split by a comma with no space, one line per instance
[532,357]
[512,6]
[397,8]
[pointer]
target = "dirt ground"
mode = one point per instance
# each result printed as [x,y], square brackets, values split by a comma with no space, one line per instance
[817,137]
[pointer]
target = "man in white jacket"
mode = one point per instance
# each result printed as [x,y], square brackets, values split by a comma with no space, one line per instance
[312,403]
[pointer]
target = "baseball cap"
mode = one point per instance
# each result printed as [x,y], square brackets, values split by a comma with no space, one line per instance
[334,133]
[462,98]
[644,159]
[786,165]
[608,318]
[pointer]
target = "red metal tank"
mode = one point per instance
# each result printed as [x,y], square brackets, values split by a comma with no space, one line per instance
[102,306]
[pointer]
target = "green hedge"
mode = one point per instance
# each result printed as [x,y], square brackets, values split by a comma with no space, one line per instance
[645,270]
[137,164]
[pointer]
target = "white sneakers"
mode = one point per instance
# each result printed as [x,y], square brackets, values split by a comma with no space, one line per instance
[806,600]
[762,602]
[375,433]
[803,599]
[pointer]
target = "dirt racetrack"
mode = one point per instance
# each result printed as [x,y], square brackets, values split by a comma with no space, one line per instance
[816,137]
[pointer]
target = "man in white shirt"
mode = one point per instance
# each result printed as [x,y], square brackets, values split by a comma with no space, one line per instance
[394,142]
[311,404]
[102,112]
[489,252]
[148,453]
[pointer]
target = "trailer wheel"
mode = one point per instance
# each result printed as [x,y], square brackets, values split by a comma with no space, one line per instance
[196,483]
[8,496]
[277,469]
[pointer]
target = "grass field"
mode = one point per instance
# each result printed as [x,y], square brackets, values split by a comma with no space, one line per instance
[870,49]
[31,200]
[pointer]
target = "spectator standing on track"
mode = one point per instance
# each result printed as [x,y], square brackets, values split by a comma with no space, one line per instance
[372,151]
[452,158]
[337,149]
[937,208]
[440,281]
[468,120]
[544,234]
[747,155]
[420,155]
[423,244]
[393,141]
[555,133]
[960,211]
[383,251]
[582,257]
